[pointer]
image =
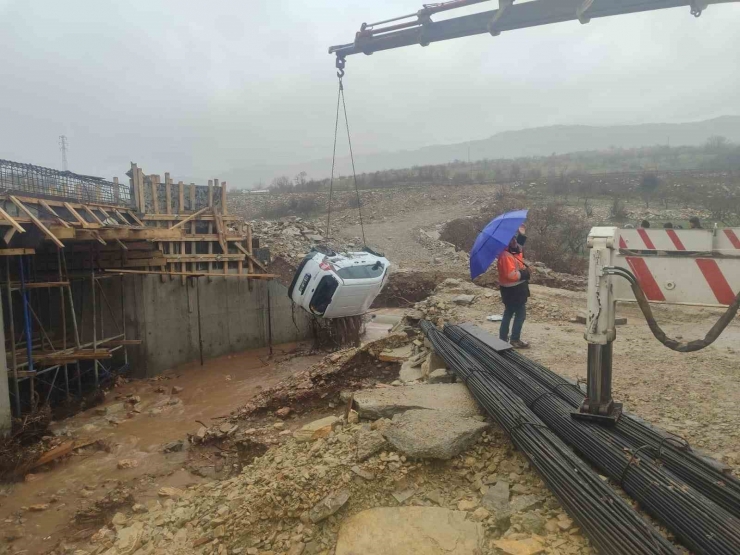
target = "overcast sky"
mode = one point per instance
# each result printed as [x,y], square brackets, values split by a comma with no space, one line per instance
[196,87]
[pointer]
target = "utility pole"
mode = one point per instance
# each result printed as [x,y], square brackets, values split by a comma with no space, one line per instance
[63,148]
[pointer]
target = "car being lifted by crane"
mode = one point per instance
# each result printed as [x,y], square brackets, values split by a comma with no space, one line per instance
[698,267]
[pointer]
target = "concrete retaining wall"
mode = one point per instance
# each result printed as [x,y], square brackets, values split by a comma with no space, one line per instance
[232,318]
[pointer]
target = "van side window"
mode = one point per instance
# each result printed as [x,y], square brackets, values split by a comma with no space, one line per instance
[323,294]
[361,272]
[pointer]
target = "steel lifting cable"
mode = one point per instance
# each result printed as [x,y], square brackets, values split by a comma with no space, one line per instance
[340,95]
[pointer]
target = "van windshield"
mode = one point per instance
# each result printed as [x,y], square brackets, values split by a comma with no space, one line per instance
[361,272]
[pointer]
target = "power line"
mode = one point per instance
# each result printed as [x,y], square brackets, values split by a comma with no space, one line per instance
[63,148]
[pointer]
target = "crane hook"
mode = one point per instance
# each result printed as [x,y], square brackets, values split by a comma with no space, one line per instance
[340,66]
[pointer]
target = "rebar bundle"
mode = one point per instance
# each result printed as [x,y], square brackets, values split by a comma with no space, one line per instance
[609,522]
[699,523]
[673,450]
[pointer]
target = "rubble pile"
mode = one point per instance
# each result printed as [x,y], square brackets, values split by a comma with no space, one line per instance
[297,498]
[291,238]
[457,301]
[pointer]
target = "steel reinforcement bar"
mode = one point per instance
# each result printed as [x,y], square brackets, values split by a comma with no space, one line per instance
[699,523]
[609,522]
[672,450]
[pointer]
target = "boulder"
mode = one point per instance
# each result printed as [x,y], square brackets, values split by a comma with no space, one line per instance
[409,531]
[385,402]
[430,434]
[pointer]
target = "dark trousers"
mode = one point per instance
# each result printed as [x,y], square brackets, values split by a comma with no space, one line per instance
[519,313]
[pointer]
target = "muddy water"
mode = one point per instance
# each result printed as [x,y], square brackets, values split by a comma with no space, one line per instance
[210,391]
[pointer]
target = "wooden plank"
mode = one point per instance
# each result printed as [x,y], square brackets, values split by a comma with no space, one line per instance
[121,244]
[210,258]
[135,263]
[181,197]
[49,209]
[98,238]
[36,221]
[154,179]
[210,246]
[57,452]
[121,218]
[119,342]
[196,274]
[9,235]
[61,232]
[82,221]
[190,217]
[223,198]
[16,252]
[41,284]
[192,197]
[251,259]
[92,214]
[248,251]
[11,221]
[220,233]
[134,181]
[210,193]
[135,217]
[177,217]
[142,196]
[168,191]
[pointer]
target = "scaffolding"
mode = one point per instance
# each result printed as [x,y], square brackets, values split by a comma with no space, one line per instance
[70,241]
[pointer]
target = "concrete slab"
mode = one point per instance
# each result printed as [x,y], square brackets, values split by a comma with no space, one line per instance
[384,403]
[409,531]
[431,434]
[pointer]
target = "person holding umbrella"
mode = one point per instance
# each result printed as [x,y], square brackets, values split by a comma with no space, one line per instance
[513,280]
[503,238]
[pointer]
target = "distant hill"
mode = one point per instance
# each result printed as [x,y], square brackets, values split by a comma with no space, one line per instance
[537,141]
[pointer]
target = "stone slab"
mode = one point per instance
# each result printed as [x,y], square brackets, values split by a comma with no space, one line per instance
[431,434]
[384,403]
[409,531]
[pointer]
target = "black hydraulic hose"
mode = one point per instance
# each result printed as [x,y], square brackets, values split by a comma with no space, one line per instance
[674,344]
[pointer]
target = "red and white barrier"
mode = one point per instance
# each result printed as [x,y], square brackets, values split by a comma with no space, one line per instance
[709,274]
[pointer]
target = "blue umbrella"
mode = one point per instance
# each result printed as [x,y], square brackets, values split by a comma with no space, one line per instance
[494,238]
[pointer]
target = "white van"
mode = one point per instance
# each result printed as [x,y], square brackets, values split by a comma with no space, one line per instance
[332,285]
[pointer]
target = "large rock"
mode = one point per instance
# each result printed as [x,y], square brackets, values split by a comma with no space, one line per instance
[384,403]
[431,434]
[409,531]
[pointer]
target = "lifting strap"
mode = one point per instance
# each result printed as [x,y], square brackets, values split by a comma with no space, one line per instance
[340,96]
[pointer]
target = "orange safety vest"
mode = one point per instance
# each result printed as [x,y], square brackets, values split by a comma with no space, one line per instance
[509,266]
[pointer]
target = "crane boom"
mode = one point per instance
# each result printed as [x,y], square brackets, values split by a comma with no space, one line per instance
[375,37]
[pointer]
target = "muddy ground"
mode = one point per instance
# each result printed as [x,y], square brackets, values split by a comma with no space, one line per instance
[694,395]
